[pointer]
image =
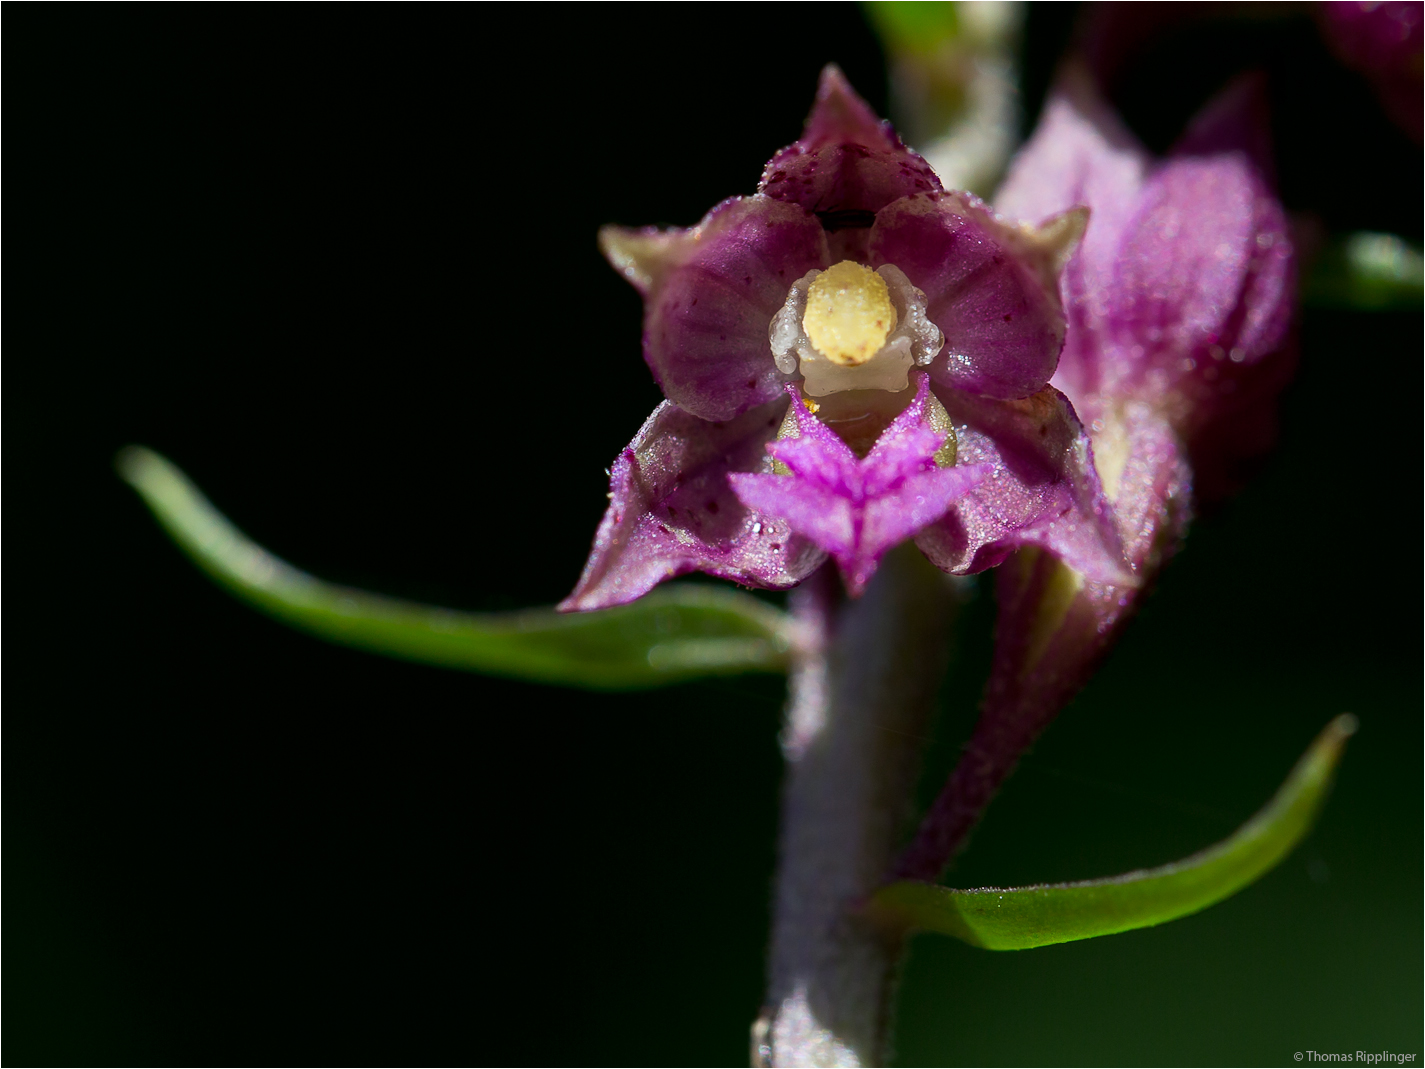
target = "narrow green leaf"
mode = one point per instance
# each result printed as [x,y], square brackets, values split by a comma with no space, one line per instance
[1017,918]
[675,633]
[1367,272]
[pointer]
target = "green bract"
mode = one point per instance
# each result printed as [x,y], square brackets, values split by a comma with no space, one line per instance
[676,633]
[1017,918]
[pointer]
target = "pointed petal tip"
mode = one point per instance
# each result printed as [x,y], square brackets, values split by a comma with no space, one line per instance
[1237,118]
[575,602]
[856,582]
[847,159]
[591,597]
[643,255]
[840,114]
[1059,236]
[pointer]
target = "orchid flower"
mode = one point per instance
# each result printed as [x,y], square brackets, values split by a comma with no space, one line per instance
[1180,302]
[853,356]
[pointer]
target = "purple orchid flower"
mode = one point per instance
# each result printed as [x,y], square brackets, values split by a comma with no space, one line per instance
[1180,301]
[914,331]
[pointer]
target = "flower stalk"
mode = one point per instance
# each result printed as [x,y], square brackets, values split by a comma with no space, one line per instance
[860,698]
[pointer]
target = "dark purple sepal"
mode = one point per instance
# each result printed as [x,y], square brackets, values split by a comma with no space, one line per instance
[1237,119]
[1151,483]
[672,511]
[858,509]
[1080,153]
[848,164]
[1042,490]
[1238,425]
[1225,408]
[710,293]
[1205,281]
[988,287]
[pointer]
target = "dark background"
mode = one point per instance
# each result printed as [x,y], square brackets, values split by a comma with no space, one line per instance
[339,264]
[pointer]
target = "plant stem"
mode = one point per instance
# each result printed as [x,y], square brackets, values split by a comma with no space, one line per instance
[1053,631]
[860,698]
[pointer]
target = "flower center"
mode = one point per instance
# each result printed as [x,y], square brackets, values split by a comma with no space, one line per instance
[851,328]
[849,313]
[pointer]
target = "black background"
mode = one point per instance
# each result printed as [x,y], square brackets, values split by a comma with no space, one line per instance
[339,264]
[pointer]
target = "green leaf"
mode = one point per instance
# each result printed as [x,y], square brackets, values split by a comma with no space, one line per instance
[675,633]
[1368,272]
[1017,918]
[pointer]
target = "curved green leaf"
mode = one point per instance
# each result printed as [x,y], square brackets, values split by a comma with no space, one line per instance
[1017,918]
[676,633]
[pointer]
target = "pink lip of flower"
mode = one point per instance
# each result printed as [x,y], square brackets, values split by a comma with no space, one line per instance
[857,509]
[847,190]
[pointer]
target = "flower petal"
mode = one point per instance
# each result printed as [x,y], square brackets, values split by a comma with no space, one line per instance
[1223,396]
[1185,279]
[1001,317]
[1042,489]
[858,510]
[821,498]
[848,164]
[812,509]
[645,255]
[1237,119]
[817,453]
[711,293]
[1201,327]
[1205,288]
[1183,262]
[672,511]
[906,447]
[1149,482]
[920,500]
[1234,421]
[1080,154]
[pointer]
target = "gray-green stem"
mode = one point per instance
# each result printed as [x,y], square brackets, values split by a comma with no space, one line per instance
[859,704]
